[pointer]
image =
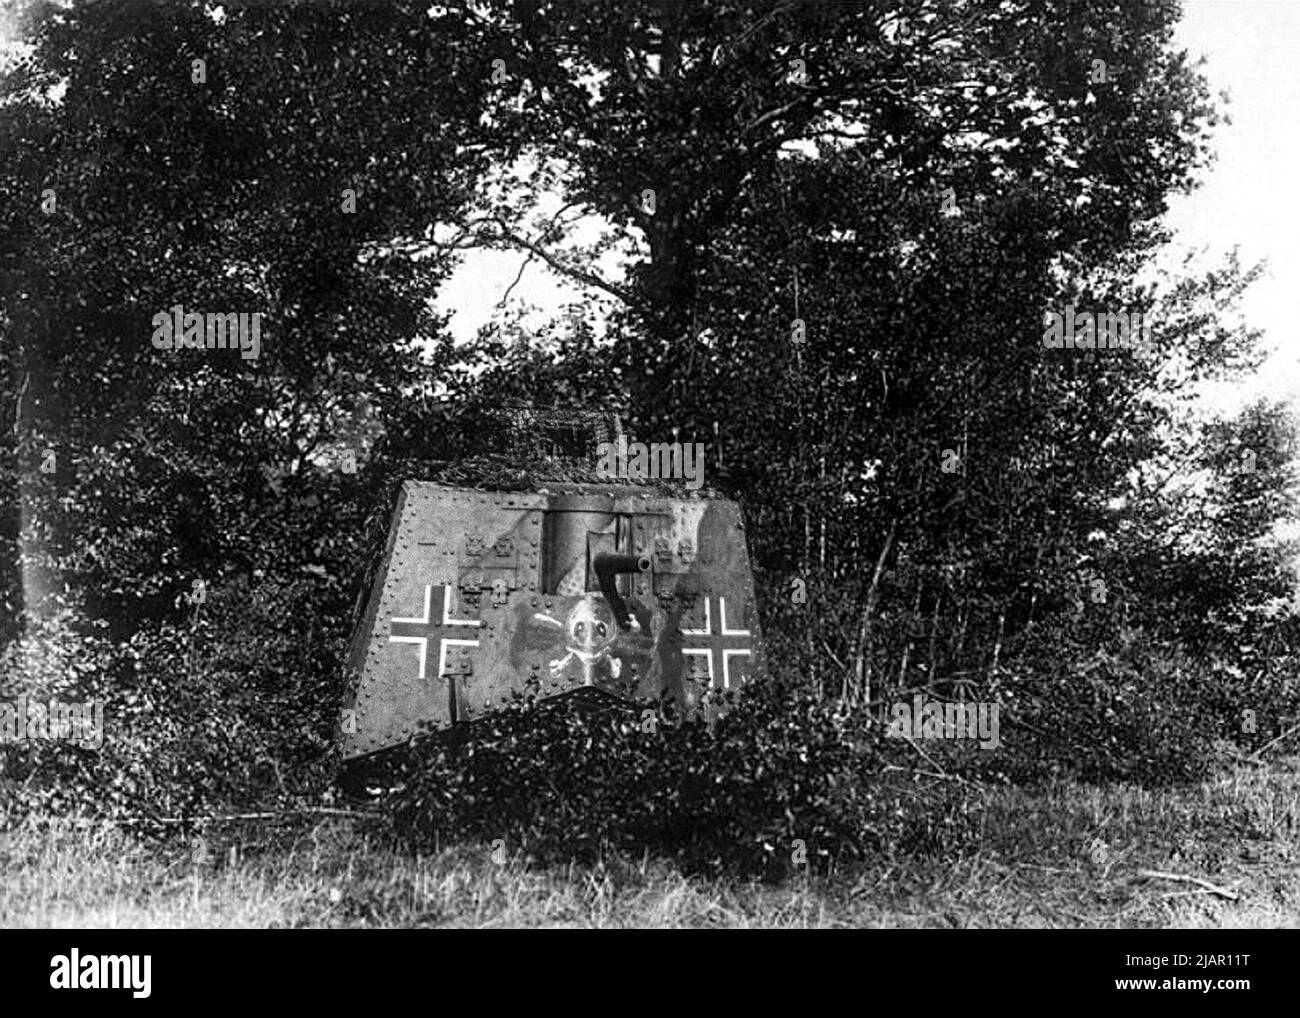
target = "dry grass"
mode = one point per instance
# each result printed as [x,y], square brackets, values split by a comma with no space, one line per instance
[1067,856]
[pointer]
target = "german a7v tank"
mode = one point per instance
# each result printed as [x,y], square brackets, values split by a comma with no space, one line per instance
[638,589]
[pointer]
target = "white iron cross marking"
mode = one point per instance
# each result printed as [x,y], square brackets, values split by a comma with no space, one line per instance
[714,641]
[420,631]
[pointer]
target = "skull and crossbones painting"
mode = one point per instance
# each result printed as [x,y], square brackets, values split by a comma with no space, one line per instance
[589,643]
[589,633]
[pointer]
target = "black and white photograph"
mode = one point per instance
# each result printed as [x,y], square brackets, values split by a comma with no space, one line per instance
[642,464]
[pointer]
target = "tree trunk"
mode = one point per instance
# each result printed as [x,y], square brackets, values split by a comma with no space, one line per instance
[862,666]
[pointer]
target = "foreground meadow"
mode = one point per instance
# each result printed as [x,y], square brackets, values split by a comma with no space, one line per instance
[1224,853]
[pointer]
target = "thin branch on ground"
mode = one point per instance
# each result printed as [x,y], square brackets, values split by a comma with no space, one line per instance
[1210,888]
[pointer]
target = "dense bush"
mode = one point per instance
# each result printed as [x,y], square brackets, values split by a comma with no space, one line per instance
[1127,710]
[223,711]
[781,773]
[1124,707]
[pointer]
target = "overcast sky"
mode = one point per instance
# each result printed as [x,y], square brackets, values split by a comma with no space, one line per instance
[1252,49]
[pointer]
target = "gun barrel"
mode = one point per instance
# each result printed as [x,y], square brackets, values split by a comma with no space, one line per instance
[606,566]
[608,563]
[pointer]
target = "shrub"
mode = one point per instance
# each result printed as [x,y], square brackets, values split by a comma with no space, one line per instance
[1124,706]
[223,712]
[781,781]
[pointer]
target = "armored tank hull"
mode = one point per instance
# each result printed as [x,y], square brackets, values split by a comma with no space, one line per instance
[483,596]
